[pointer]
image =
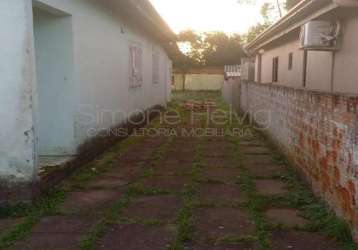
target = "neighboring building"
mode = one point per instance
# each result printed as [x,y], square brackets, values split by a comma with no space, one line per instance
[199,79]
[280,58]
[305,96]
[231,86]
[70,68]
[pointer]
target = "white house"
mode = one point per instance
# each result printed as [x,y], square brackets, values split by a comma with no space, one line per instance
[69,68]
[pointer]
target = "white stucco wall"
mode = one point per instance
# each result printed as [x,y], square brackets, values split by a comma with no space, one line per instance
[97,85]
[101,41]
[17,145]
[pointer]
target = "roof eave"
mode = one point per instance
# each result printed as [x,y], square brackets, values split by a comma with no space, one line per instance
[300,14]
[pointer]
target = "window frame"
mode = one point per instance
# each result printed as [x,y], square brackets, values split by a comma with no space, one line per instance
[136,73]
[275,69]
[155,66]
[290,61]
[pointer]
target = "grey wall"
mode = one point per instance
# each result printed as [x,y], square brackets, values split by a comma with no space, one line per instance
[287,77]
[319,64]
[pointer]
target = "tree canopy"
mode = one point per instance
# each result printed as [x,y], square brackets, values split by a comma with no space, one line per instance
[219,48]
[270,13]
[209,49]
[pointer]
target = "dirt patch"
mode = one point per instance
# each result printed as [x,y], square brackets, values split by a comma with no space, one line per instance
[214,223]
[271,187]
[220,162]
[137,237]
[163,208]
[265,170]
[169,169]
[252,143]
[255,150]
[90,201]
[53,241]
[108,182]
[242,246]
[56,232]
[221,193]
[7,224]
[217,153]
[224,175]
[296,240]
[62,224]
[181,156]
[168,183]
[126,173]
[136,155]
[287,217]
[257,159]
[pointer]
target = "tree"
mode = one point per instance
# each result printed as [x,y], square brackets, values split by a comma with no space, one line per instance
[254,31]
[192,44]
[221,49]
[278,4]
[269,13]
[210,48]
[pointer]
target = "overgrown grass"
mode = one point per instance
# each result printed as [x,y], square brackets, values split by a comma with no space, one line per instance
[47,206]
[186,215]
[255,203]
[320,218]
[113,215]
[50,203]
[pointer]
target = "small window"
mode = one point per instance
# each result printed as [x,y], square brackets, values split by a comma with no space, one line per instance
[275,63]
[290,61]
[156,59]
[135,66]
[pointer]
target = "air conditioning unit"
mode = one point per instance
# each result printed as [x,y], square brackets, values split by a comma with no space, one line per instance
[320,35]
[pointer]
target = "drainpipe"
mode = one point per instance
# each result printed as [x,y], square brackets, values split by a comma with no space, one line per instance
[332,69]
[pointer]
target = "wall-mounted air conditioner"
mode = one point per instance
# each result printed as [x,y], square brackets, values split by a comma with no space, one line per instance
[320,35]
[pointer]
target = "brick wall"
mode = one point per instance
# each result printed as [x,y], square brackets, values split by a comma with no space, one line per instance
[319,134]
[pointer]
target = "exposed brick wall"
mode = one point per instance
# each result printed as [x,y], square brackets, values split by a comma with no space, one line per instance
[319,133]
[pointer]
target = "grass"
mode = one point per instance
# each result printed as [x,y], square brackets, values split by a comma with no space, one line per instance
[186,215]
[47,206]
[254,204]
[320,218]
[50,202]
[113,215]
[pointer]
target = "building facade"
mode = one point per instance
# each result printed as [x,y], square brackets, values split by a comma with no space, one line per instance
[72,68]
[333,71]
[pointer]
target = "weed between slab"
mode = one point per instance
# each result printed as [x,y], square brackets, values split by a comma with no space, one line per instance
[113,215]
[50,203]
[186,216]
[320,218]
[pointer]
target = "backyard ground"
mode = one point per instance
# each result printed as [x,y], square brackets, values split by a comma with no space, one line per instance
[179,189]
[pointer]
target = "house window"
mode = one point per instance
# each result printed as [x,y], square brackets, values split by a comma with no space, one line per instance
[290,61]
[155,57]
[135,66]
[275,63]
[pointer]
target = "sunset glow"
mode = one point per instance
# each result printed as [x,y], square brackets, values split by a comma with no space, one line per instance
[209,15]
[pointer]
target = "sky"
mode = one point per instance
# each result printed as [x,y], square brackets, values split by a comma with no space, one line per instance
[209,15]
